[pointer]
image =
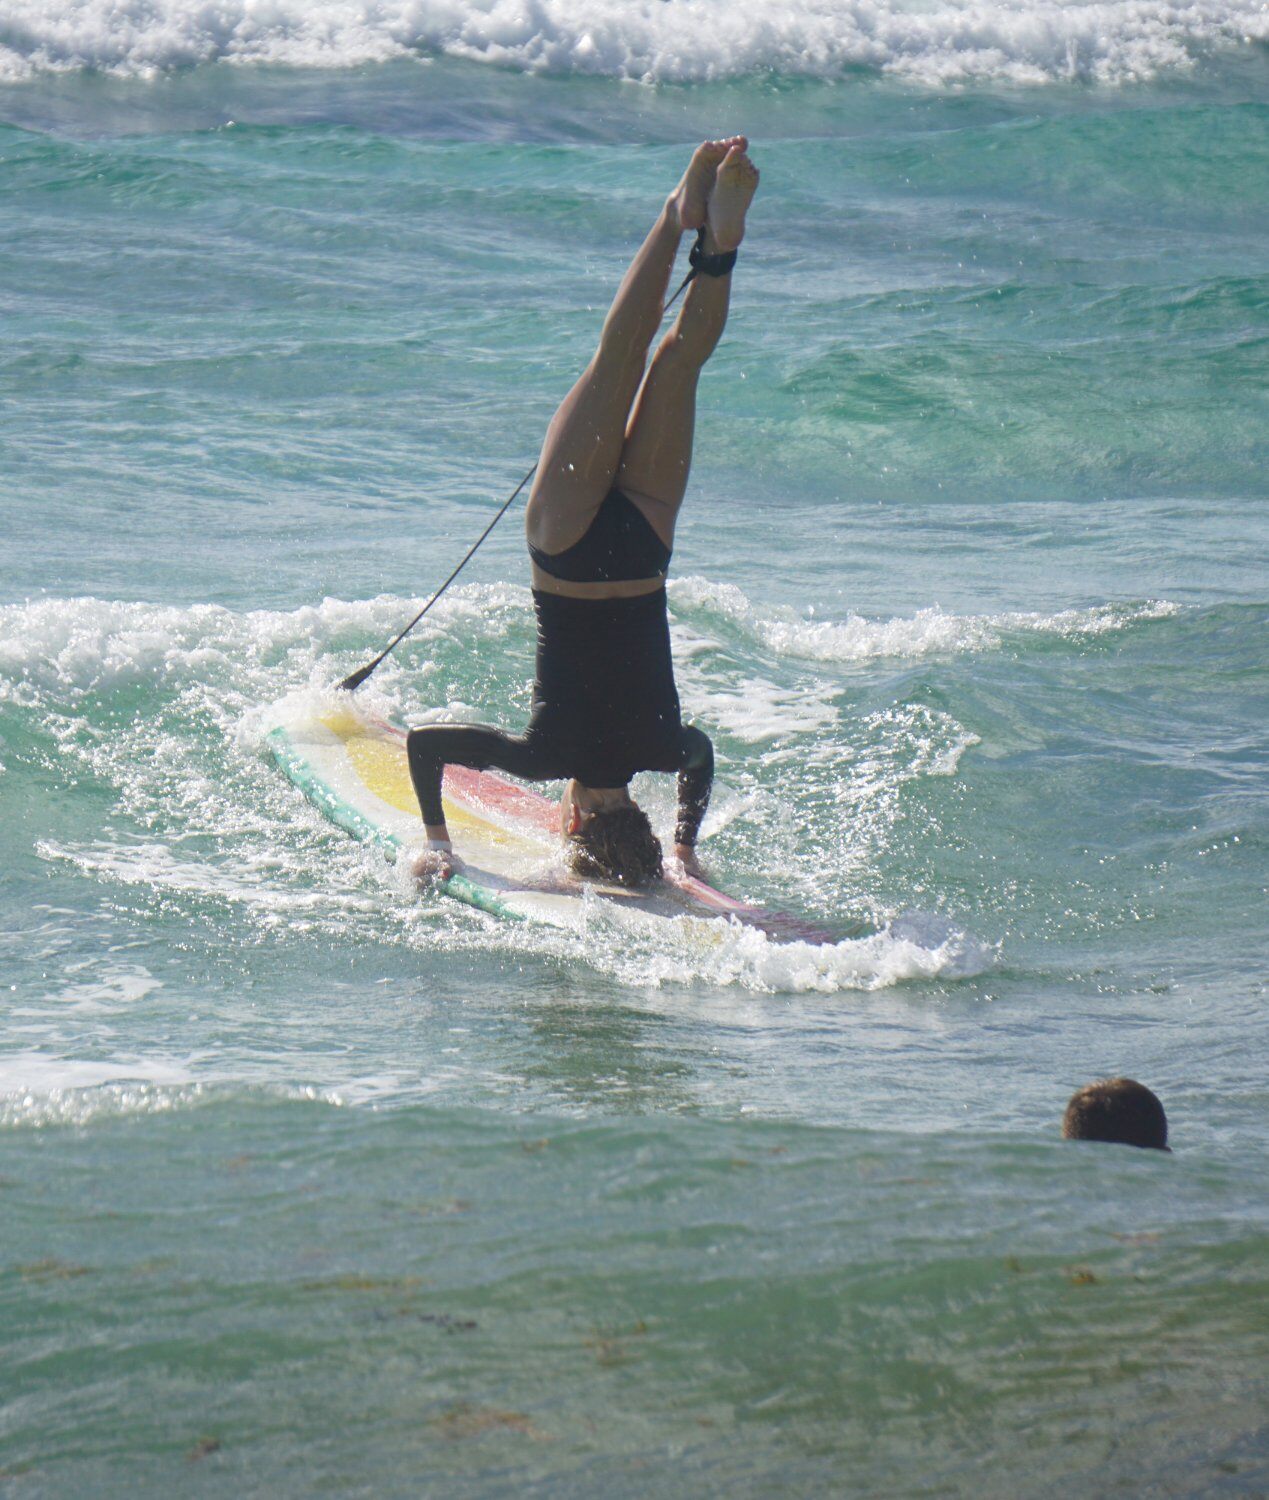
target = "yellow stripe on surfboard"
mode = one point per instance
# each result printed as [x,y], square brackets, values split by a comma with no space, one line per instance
[381,765]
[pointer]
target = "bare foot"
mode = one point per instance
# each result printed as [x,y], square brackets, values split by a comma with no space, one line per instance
[735,183]
[692,194]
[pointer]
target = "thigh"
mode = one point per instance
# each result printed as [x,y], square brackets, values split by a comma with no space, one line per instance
[582,450]
[656,457]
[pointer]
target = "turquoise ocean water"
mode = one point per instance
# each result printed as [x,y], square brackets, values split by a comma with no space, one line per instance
[309,1185]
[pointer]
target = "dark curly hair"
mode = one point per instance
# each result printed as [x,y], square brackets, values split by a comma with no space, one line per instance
[1117,1109]
[616,844]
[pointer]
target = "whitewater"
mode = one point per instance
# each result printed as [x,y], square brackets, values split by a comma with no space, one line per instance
[1112,42]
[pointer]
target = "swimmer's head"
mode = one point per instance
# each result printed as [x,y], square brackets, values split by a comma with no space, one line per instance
[607,836]
[1116,1109]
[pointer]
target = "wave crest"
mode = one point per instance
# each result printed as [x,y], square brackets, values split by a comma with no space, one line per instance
[929,632]
[942,43]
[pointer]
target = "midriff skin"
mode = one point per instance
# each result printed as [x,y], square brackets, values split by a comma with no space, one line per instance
[624,588]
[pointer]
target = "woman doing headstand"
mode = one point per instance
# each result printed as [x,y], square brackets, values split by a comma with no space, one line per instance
[600,527]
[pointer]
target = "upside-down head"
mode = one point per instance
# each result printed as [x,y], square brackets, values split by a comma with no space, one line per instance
[613,844]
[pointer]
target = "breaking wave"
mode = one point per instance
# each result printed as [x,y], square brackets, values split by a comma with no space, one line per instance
[163,710]
[946,42]
[929,632]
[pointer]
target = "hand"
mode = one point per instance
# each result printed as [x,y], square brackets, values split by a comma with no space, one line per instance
[435,862]
[685,854]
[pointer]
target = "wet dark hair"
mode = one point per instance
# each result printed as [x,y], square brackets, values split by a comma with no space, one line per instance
[616,844]
[1116,1109]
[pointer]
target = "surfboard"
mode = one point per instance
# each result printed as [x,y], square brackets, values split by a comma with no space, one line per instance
[352,766]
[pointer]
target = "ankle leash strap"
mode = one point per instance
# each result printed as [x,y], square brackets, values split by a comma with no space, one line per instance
[709,265]
[702,265]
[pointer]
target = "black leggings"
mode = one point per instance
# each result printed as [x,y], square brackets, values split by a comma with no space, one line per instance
[533,757]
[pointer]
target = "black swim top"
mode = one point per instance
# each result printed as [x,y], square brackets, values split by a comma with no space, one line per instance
[619,545]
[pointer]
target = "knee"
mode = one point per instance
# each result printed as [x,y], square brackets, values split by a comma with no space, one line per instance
[626,336]
[684,350]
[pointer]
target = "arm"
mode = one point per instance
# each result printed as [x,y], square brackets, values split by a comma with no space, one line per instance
[426,751]
[696,778]
[435,746]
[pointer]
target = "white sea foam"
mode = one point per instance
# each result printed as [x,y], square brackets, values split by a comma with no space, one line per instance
[757,711]
[38,1089]
[105,987]
[69,647]
[930,632]
[939,42]
[691,950]
[31,1082]
[202,820]
[249,881]
[66,648]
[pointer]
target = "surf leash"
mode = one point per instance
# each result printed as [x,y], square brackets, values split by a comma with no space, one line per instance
[355,679]
[699,262]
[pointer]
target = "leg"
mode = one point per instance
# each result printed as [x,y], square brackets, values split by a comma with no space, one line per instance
[657,454]
[584,441]
[658,449]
